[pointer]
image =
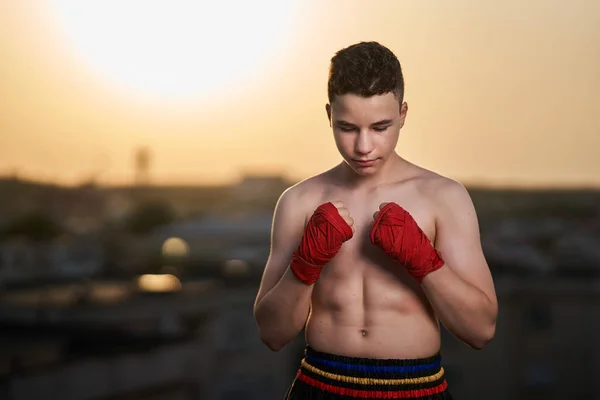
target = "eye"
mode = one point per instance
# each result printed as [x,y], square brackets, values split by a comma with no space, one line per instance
[346,129]
[381,129]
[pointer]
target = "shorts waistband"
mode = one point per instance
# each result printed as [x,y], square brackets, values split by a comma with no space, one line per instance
[372,378]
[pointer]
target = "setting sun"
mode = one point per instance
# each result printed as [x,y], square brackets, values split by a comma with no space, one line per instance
[173,49]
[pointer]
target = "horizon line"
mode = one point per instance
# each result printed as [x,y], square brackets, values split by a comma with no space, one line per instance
[468,183]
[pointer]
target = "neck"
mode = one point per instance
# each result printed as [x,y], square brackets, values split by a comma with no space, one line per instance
[386,173]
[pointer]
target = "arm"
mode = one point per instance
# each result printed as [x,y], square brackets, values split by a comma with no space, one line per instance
[282,303]
[462,291]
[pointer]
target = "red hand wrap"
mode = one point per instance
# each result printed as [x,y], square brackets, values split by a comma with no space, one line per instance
[323,237]
[398,234]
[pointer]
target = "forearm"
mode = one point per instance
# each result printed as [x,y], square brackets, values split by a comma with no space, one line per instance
[463,309]
[282,312]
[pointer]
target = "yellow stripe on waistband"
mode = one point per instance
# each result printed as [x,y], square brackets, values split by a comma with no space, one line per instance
[372,381]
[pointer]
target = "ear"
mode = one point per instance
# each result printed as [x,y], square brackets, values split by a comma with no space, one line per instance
[403,111]
[328,109]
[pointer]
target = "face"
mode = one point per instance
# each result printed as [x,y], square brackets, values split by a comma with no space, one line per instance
[366,129]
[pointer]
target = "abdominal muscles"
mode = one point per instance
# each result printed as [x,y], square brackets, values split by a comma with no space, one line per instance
[374,311]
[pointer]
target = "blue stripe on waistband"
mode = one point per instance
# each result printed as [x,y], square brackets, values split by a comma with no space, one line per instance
[374,368]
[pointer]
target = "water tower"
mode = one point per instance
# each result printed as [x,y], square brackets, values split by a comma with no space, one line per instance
[142,167]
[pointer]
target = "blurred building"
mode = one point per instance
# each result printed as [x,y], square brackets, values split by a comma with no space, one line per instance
[545,347]
[259,189]
[199,347]
[68,256]
[80,209]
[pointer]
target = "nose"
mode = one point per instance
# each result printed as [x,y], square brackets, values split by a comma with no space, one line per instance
[363,144]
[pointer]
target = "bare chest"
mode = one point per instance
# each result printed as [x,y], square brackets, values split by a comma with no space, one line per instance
[363,206]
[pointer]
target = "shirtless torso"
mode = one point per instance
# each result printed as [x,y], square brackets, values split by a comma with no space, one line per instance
[365,304]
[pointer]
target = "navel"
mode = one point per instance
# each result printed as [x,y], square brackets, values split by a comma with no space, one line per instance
[363,332]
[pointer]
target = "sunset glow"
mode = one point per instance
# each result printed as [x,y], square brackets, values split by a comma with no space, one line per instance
[172,48]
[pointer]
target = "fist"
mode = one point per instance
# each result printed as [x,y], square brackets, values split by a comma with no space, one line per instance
[328,228]
[344,213]
[397,234]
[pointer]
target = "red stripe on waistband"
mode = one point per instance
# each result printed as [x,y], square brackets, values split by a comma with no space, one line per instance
[373,394]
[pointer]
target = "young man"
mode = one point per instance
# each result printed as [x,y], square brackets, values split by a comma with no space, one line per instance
[370,256]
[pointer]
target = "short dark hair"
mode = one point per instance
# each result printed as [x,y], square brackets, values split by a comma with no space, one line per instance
[365,69]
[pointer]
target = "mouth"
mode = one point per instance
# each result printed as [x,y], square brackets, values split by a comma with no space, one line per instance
[365,163]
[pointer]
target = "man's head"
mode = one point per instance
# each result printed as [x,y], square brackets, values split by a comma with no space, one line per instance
[366,108]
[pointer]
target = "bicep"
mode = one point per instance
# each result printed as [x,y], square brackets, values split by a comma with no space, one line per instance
[286,232]
[459,242]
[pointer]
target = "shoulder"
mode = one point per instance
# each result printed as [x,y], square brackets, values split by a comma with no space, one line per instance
[445,193]
[305,189]
[438,187]
[303,195]
[453,207]
[449,191]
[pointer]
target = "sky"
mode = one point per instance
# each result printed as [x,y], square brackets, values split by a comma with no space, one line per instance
[499,93]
